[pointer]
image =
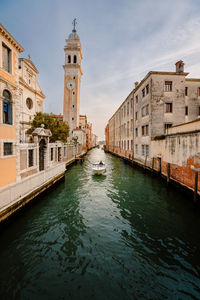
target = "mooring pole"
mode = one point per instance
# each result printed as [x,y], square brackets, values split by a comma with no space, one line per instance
[168,172]
[196,170]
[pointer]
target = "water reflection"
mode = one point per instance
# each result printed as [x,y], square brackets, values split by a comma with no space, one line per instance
[122,235]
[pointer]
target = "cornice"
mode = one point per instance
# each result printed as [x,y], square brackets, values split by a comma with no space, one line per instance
[8,82]
[11,39]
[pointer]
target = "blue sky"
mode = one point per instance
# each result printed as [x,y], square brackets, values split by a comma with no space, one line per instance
[121,41]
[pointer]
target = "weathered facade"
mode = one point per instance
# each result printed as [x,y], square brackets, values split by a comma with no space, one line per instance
[30,94]
[121,129]
[164,103]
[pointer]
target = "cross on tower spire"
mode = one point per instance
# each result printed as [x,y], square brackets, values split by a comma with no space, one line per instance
[74,23]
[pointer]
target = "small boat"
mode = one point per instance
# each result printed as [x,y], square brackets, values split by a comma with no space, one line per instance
[99,168]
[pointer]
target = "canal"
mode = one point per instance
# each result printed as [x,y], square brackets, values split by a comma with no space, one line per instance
[125,235]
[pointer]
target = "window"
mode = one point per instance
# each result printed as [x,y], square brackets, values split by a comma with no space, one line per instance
[145,130]
[69,59]
[199,111]
[136,98]
[51,154]
[143,150]
[128,108]
[7,107]
[147,89]
[29,103]
[136,115]
[143,92]
[72,119]
[136,131]
[124,111]
[73,93]
[136,149]
[131,144]
[30,158]
[127,128]
[186,110]
[198,91]
[64,151]
[166,126]
[145,110]
[6,58]
[168,86]
[168,107]
[127,145]
[7,149]
[75,59]
[147,150]
[186,91]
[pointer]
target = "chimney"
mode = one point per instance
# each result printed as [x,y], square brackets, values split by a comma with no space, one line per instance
[179,66]
[136,83]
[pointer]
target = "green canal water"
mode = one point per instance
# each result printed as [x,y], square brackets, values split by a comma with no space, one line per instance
[125,235]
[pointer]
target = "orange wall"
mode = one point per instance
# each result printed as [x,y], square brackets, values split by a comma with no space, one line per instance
[7,132]
[7,171]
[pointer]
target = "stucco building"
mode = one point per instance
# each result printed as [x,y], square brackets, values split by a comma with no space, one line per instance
[9,107]
[160,101]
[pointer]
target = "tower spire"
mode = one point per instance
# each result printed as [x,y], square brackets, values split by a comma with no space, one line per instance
[74,23]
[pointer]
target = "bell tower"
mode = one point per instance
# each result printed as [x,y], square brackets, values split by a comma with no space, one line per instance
[72,80]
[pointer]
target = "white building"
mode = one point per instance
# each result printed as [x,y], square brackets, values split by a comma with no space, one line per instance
[30,94]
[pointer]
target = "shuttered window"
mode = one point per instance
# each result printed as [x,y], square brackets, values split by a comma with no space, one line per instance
[6,58]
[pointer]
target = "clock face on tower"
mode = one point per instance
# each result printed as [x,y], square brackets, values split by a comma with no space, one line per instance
[70,85]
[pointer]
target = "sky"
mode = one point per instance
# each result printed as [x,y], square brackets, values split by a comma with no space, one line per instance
[122,40]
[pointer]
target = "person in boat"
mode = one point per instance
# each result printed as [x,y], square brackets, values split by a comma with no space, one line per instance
[101,163]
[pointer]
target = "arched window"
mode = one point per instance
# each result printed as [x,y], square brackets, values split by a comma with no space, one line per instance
[75,59]
[69,59]
[7,107]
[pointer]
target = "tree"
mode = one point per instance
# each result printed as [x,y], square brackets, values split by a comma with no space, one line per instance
[59,129]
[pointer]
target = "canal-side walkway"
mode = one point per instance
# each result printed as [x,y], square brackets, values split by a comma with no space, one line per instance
[123,235]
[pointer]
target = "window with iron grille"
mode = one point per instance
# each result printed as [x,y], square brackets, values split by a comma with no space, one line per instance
[168,86]
[30,158]
[143,150]
[7,149]
[136,149]
[147,150]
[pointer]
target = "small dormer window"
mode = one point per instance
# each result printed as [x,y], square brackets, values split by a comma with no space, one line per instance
[75,59]
[69,59]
